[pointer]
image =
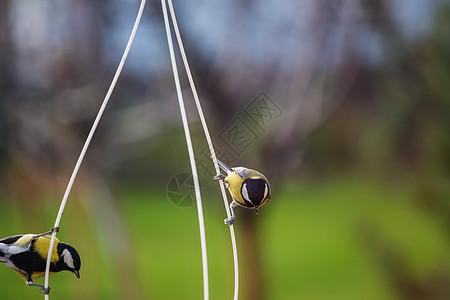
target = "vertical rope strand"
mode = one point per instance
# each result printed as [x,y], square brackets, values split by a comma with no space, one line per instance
[190,151]
[89,138]
[210,144]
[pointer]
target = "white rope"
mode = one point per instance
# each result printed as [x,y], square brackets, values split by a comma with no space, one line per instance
[210,144]
[191,153]
[88,140]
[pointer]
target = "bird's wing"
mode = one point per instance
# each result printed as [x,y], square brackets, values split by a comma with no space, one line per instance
[10,239]
[16,244]
[242,172]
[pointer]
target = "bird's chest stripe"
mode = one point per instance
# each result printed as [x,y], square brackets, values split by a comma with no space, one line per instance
[255,191]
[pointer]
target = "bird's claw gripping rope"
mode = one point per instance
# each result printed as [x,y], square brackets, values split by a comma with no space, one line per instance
[42,289]
[52,230]
[45,291]
[55,229]
[222,177]
[229,221]
[219,177]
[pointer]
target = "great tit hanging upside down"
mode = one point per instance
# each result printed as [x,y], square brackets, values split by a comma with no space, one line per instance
[27,255]
[248,188]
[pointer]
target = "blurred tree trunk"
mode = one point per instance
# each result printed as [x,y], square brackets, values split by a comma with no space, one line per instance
[252,280]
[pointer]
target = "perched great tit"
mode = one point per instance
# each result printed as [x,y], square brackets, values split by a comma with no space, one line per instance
[27,255]
[248,188]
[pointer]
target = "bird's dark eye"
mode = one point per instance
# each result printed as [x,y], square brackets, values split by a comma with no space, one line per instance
[254,190]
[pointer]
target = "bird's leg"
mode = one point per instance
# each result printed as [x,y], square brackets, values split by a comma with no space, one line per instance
[42,289]
[222,177]
[53,229]
[230,221]
[219,177]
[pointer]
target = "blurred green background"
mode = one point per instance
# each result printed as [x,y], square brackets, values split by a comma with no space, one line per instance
[343,105]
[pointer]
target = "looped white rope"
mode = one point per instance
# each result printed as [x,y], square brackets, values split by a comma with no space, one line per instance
[210,144]
[88,141]
[190,151]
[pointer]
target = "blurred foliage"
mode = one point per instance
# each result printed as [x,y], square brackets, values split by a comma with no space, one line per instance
[332,239]
[358,156]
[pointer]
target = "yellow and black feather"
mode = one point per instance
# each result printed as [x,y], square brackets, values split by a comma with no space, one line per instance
[27,255]
[249,188]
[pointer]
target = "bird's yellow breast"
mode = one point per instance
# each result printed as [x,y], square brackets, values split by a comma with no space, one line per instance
[41,246]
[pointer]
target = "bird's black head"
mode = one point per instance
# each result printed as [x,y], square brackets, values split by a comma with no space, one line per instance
[69,259]
[255,191]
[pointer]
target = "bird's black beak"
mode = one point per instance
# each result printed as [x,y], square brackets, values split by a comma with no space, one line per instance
[77,273]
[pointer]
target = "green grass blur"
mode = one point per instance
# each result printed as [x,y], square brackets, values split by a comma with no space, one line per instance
[319,240]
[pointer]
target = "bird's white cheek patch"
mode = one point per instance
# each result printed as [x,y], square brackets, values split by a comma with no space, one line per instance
[245,193]
[266,192]
[68,260]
